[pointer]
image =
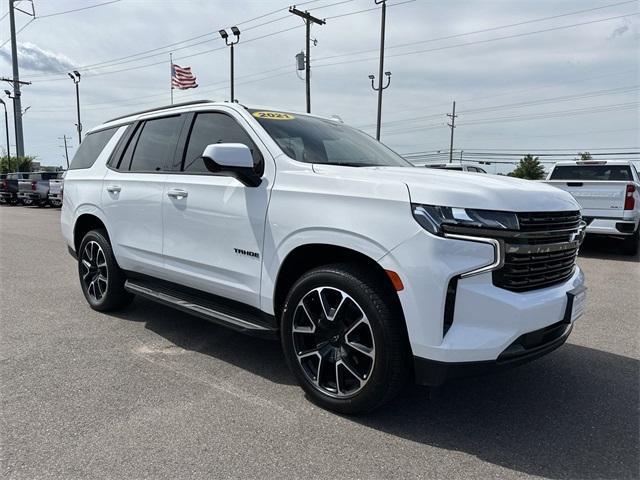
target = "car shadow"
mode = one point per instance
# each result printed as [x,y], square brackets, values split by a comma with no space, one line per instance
[572,414]
[605,248]
[261,356]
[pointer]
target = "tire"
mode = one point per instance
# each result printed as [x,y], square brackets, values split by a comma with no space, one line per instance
[351,379]
[101,279]
[631,244]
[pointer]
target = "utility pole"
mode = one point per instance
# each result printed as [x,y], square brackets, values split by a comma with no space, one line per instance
[452,125]
[308,20]
[381,66]
[66,148]
[230,43]
[17,105]
[6,124]
[75,76]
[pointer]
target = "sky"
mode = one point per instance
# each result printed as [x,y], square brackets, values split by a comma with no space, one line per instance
[527,76]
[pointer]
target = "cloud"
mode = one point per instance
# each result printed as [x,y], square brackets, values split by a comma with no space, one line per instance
[34,58]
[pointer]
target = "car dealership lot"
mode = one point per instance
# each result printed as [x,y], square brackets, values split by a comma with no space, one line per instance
[154,393]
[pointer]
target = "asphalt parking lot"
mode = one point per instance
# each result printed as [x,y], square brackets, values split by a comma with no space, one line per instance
[154,393]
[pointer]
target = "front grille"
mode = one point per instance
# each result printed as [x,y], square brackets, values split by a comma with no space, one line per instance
[543,253]
[536,222]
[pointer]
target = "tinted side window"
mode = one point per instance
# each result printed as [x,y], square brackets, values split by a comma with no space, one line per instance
[91,147]
[210,128]
[122,160]
[156,145]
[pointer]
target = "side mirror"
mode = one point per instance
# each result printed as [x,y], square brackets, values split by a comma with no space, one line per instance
[231,159]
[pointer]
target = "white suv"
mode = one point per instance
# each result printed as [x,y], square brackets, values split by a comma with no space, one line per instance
[369,270]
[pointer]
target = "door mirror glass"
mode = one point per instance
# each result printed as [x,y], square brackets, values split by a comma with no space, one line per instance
[233,159]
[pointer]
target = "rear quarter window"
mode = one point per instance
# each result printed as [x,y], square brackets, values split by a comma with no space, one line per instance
[90,148]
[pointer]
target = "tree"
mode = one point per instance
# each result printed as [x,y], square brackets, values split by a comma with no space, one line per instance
[584,156]
[529,168]
[17,164]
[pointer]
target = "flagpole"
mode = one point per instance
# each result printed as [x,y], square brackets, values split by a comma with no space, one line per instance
[171,75]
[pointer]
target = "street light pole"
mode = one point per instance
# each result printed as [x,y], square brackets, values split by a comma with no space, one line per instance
[230,43]
[6,124]
[75,76]
[15,120]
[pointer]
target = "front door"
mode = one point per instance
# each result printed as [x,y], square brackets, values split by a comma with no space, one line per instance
[214,225]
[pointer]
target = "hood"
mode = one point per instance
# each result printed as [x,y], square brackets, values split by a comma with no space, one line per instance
[463,189]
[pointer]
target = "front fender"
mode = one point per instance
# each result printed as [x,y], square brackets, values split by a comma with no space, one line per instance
[311,236]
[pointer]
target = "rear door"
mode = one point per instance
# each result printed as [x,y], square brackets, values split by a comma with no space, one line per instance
[214,225]
[132,193]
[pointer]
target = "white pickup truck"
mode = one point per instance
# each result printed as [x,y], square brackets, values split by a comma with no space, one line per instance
[609,194]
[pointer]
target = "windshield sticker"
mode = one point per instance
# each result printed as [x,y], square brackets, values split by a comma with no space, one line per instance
[274,115]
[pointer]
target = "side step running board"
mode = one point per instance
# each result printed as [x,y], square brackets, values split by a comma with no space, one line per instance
[200,308]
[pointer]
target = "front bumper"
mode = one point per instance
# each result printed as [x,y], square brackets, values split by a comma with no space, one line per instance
[526,348]
[486,320]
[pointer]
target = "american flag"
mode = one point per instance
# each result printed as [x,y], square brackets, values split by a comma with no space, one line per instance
[182,78]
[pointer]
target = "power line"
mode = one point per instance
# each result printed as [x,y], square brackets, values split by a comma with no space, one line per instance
[38,17]
[78,9]
[118,61]
[46,77]
[21,29]
[477,42]
[541,116]
[563,98]
[499,27]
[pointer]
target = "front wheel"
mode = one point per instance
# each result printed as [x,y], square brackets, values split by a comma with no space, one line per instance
[344,338]
[101,279]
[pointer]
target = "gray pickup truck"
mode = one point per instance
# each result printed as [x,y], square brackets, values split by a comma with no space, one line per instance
[9,187]
[35,189]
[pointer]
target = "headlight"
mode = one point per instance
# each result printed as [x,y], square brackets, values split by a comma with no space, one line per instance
[434,218]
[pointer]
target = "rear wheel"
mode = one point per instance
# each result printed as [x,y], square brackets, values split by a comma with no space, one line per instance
[632,243]
[344,339]
[101,279]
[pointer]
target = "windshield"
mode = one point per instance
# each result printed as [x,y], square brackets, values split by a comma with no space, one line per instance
[592,172]
[317,140]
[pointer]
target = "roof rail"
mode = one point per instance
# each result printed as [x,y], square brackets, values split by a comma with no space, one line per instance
[157,109]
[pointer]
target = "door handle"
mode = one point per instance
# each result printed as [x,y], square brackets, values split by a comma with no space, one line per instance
[177,193]
[114,189]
